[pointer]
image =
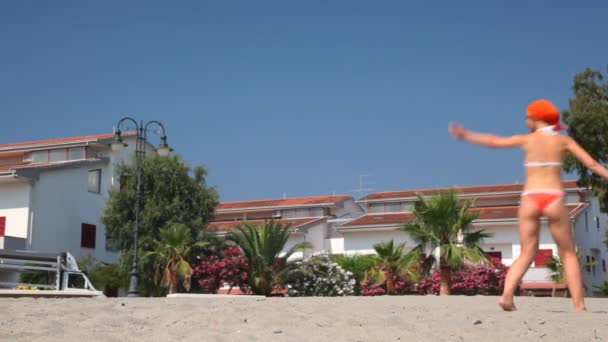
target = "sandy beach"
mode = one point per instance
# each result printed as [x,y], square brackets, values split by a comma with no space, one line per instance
[403,318]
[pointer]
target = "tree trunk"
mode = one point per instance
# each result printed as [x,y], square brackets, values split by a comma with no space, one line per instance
[446,281]
[390,284]
[172,288]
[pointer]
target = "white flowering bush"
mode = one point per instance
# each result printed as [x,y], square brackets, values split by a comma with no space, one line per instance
[319,276]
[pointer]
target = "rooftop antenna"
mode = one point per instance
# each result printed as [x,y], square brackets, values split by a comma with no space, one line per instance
[284,195]
[362,187]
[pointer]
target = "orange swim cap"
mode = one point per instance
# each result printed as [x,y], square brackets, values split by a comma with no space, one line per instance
[545,110]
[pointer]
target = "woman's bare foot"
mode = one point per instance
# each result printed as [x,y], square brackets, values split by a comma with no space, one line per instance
[506,305]
[580,309]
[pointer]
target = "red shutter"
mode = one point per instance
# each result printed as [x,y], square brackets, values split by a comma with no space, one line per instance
[87,237]
[497,255]
[2,226]
[543,257]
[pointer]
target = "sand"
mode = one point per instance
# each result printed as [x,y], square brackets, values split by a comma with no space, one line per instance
[402,318]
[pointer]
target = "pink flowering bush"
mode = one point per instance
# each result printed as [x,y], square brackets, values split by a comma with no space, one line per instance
[472,280]
[370,288]
[215,271]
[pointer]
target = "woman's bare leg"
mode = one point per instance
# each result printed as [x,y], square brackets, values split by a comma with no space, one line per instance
[562,235]
[528,235]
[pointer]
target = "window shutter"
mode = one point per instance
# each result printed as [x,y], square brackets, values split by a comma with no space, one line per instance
[543,257]
[87,237]
[2,226]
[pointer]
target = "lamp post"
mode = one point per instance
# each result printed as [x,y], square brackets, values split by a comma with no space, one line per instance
[163,149]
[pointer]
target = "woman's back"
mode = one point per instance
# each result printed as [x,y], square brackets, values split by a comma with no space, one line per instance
[543,156]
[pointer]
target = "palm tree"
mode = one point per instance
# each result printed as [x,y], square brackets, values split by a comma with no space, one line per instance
[603,289]
[556,269]
[170,253]
[443,222]
[393,261]
[262,247]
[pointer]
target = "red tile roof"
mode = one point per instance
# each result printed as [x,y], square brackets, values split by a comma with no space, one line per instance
[83,138]
[380,218]
[12,167]
[486,213]
[224,226]
[11,154]
[461,190]
[296,201]
[45,165]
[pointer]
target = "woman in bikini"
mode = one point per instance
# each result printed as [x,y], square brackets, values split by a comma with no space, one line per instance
[544,151]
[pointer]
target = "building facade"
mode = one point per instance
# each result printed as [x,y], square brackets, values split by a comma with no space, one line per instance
[497,206]
[311,218]
[53,192]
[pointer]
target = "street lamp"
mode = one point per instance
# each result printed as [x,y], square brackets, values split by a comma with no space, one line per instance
[163,149]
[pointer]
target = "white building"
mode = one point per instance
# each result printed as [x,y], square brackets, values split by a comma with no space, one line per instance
[311,218]
[387,211]
[52,194]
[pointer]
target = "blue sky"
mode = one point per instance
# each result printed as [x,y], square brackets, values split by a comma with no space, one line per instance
[301,97]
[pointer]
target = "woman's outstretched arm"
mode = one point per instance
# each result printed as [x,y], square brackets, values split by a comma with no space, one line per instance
[585,158]
[489,140]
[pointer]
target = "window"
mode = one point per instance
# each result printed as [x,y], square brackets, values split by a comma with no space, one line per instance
[593,265]
[603,265]
[95,181]
[543,257]
[586,221]
[588,263]
[316,212]
[597,222]
[302,212]
[2,226]
[76,281]
[289,213]
[76,153]
[58,155]
[393,207]
[39,157]
[87,236]
[376,208]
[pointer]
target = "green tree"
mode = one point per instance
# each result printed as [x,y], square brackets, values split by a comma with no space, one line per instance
[603,289]
[587,118]
[173,193]
[262,247]
[443,222]
[170,253]
[106,277]
[393,261]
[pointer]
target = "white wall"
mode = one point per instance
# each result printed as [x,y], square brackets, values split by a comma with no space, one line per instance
[362,242]
[315,235]
[350,210]
[590,242]
[61,203]
[292,241]
[14,205]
